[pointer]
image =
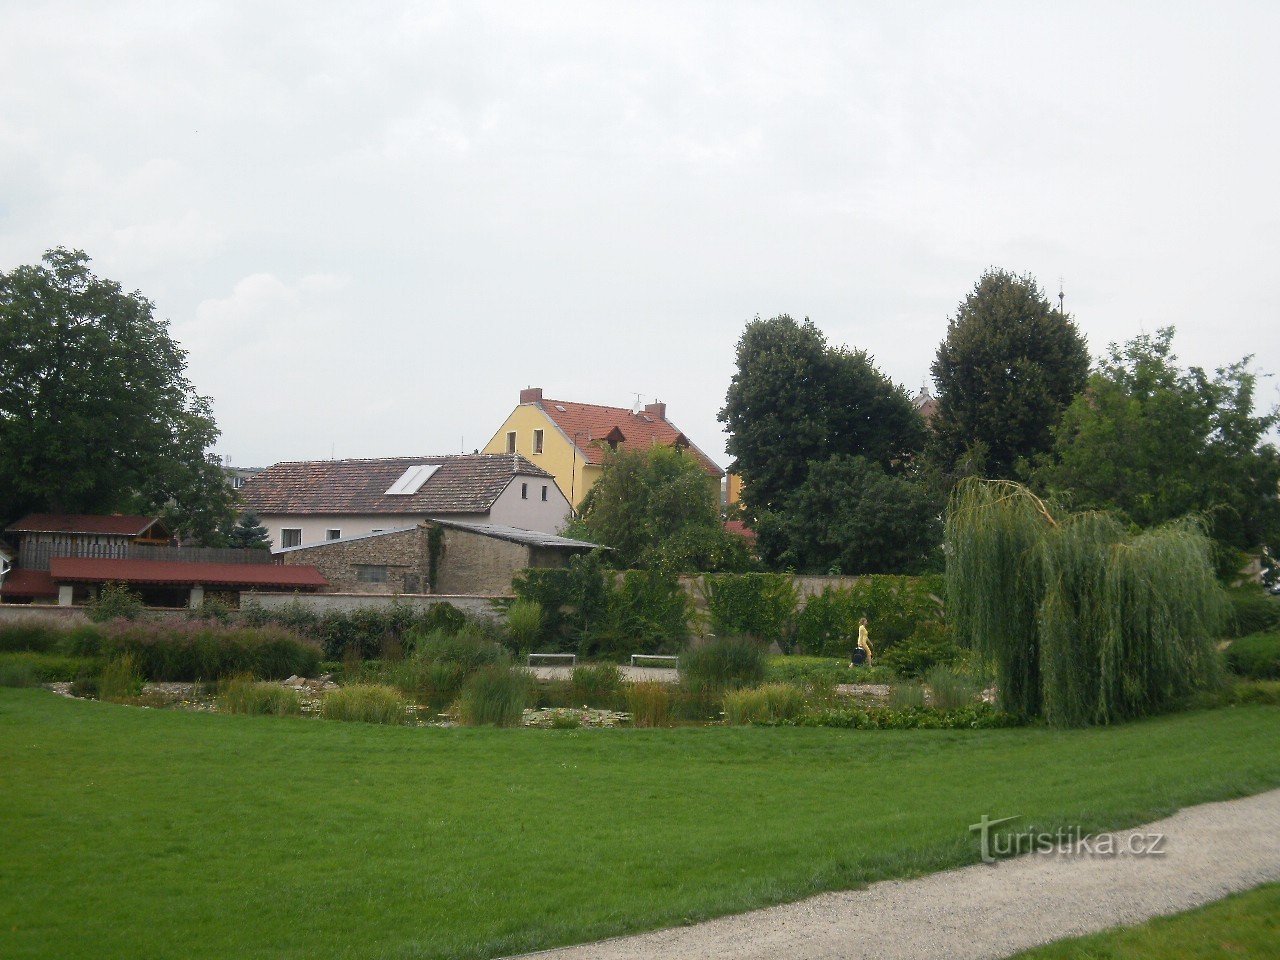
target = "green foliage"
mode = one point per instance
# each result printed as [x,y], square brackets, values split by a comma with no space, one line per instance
[120,679]
[930,645]
[978,716]
[1083,621]
[770,702]
[441,662]
[1253,610]
[950,689]
[724,663]
[599,685]
[658,508]
[33,634]
[97,414]
[243,694]
[1256,656]
[494,695]
[895,608]
[366,703]
[18,670]
[363,633]
[1157,442]
[906,696]
[524,623]
[249,533]
[796,400]
[823,671]
[204,650]
[43,667]
[115,601]
[649,704]
[1008,368]
[851,514]
[759,605]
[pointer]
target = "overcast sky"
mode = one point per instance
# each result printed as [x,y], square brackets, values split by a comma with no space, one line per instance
[372,224]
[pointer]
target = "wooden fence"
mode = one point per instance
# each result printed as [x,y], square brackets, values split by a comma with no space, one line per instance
[36,556]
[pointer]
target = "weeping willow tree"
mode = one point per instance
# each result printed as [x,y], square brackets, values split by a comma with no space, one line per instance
[1083,621]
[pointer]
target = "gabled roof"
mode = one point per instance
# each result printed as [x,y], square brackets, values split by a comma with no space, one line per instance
[530,538]
[111,525]
[589,426]
[28,583]
[469,483]
[181,573]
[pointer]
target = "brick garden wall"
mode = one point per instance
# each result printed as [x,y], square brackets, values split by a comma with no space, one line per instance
[404,554]
[472,563]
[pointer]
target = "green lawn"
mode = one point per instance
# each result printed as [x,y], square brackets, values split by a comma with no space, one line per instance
[127,832]
[1243,927]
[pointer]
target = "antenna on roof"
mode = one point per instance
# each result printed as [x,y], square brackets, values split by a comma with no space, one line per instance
[1061,297]
[638,406]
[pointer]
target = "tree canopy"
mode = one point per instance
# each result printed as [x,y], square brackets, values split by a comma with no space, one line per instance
[658,508]
[796,400]
[96,412]
[248,533]
[1008,368]
[1157,442]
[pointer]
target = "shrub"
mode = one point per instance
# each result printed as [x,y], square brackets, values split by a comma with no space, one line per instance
[17,671]
[494,695]
[763,704]
[951,689]
[649,704]
[929,646]
[978,716]
[823,671]
[597,686]
[1256,656]
[724,663]
[120,679]
[432,683]
[648,612]
[366,703]
[906,696]
[245,695]
[469,647]
[114,601]
[566,720]
[212,608]
[574,600]
[524,624]
[32,634]
[44,667]
[206,650]
[895,607]
[759,605]
[1253,610]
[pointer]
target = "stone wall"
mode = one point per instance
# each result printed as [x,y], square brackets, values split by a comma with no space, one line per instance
[473,563]
[346,602]
[405,554]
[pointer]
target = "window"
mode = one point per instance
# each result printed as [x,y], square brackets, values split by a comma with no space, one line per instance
[511,441]
[524,491]
[537,441]
[544,493]
[333,534]
[290,537]
[411,481]
[371,573]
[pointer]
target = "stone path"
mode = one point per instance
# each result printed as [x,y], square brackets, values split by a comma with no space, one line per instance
[629,673]
[983,912]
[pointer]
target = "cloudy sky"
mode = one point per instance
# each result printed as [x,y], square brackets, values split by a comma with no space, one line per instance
[372,224]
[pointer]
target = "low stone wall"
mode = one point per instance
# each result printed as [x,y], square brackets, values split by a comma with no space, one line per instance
[483,606]
[71,615]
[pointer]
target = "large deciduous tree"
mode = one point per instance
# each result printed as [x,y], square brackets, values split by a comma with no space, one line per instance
[796,400]
[658,508]
[96,412]
[1008,368]
[1157,442]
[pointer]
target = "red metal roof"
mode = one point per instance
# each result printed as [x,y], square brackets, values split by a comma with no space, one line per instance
[587,425]
[86,570]
[120,525]
[28,583]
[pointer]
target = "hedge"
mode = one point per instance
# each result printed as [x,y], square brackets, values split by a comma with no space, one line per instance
[1256,656]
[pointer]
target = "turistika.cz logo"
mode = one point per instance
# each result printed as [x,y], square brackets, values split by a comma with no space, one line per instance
[995,844]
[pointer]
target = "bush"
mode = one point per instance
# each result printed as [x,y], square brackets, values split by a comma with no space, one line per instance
[366,703]
[648,612]
[951,689]
[206,650]
[246,695]
[44,667]
[360,634]
[17,671]
[759,605]
[895,608]
[906,696]
[494,695]
[1253,610]
[114,601]
[931,645]
[1256,656]
[768,703]
[597,686]
[649,704]
[32,634]
[120,679]
[725,663]
[524,624]
[823,671]
[978,716]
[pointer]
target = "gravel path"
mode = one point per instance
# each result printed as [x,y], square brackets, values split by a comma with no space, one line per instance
[991,911]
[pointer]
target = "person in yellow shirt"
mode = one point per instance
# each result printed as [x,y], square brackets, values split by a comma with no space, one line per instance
[861,655]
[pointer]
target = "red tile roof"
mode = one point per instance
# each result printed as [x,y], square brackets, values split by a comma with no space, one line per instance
[741,529]
[585,424]
[113,525]
[464,484]
[180,573]
[28,583]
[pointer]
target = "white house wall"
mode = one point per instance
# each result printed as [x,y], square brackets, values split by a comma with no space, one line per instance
[547,516]
[314,526]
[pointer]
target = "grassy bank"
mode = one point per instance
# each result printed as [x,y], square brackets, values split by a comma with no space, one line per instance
[130,832]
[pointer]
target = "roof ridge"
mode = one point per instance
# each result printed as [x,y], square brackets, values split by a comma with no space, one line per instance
[420,456]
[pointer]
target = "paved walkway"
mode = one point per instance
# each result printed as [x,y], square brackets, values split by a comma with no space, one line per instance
[992,911]
[630,673]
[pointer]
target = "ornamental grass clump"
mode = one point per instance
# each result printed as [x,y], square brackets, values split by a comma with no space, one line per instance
[598,685]
[243,694]
[120,679]
[769,703]
[494,696]
[524,624]
[950,689]
[649,704]
[725,663]
[366,703]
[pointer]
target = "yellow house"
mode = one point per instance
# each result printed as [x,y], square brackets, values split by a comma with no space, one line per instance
[569,440]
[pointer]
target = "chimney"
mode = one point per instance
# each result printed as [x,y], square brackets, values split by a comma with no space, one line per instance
[531,395]
[656,409]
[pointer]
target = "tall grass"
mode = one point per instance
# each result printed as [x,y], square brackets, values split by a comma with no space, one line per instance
[770,702]
[906,696]
[120,679]
[1256,656]
[524,624]
[494,695]
[245,695]
[441,662]
[599,685]
[649,704]
[18,671]
[366,703]
[725,663]
[950,689]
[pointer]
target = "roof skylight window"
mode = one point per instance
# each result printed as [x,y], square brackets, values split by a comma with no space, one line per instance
[411,480]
